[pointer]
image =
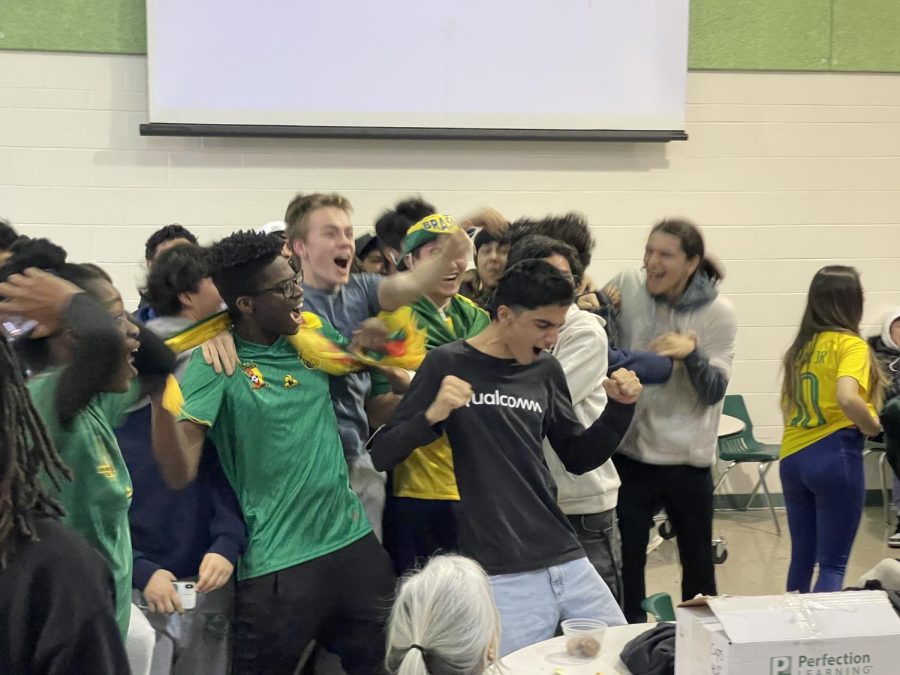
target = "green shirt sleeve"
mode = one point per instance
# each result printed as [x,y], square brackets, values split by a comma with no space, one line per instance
[203,390]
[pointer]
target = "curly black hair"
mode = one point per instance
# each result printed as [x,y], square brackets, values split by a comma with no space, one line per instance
[167,233]
[392,225]
[572,228]
[46,255]
[176,271]
[237,262]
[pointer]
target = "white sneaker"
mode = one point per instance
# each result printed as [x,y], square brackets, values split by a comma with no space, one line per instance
[894,539]
[656,541]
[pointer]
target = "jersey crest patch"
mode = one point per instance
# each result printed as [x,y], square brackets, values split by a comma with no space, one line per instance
[254,375]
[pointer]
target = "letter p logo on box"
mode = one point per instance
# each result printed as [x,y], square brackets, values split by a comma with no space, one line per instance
[780,665]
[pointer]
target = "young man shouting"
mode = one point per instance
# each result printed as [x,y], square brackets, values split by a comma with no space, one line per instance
[321,238]
[312,569]
[496,396]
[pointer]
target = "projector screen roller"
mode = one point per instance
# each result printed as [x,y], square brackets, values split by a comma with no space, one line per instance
[503,65]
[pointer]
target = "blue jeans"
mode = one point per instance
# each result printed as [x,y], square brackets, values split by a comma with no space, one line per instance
[824,491]
[532,604]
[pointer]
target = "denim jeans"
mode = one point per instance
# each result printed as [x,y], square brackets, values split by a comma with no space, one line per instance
[599,535]
[197,642]
[532,604]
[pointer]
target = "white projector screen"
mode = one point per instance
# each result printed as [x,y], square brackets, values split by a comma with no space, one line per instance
[553,66]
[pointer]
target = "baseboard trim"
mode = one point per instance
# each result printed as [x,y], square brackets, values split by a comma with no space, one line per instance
[736,501]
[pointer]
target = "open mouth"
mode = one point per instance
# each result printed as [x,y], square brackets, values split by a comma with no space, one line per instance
[537,350]
[343,262]
[296,315]
[129,359]
[450,277]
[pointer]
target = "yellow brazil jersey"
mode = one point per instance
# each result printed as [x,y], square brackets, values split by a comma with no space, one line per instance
[428,472]
[833,355]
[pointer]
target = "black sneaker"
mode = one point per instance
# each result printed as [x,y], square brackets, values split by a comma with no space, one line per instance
[894,539]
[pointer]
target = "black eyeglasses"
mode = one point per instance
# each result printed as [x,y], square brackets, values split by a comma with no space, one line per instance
[287,288]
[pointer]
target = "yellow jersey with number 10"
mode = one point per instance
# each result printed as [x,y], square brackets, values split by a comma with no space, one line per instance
[833,355]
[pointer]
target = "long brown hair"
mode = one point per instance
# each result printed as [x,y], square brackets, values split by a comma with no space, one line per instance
[692,244]
[834,303]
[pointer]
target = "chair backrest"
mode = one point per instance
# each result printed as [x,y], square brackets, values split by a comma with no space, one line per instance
[734,405]
[660,606]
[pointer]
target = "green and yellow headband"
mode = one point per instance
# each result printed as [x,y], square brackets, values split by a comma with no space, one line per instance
[427,229]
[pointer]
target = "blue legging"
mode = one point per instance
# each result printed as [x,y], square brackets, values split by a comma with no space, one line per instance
[824,490]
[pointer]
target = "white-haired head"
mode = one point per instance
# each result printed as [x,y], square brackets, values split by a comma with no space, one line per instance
[444,621]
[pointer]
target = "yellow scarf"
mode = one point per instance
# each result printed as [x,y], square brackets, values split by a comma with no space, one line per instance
[405,347]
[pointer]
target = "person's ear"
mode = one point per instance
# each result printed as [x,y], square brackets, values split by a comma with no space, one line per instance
[505,314]
[186,300]
[693,264]
[244,304]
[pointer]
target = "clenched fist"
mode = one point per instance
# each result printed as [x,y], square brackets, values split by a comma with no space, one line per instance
[623,386]
[454,393]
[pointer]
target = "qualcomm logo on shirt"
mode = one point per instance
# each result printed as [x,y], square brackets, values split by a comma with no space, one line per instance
[496,398]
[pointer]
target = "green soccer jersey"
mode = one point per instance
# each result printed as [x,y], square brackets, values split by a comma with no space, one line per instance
[97,498]
[274,427]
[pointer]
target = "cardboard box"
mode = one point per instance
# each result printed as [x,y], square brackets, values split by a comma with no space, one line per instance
[852,633]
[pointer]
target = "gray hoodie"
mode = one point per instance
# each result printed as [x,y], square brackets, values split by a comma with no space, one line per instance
[677,422]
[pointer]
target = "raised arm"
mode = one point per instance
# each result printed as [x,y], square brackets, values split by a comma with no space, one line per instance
[417,421]
[582,450]
[650,368]
[405,288]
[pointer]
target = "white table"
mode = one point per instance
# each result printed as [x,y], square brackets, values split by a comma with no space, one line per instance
[551,657]
[730,426]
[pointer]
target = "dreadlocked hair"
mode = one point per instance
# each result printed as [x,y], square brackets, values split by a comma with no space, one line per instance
[26,452]
[237,262]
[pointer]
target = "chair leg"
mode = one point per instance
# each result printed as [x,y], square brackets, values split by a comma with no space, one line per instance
[755,490]
[763,470]
[722,477]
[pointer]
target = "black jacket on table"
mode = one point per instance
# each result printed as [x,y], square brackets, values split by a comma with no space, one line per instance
[56,608]
[508,517]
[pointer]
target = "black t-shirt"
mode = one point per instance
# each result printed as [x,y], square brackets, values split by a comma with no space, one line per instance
[56,608]
[509,520]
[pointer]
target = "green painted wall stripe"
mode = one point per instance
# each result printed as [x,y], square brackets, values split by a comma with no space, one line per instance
[803,35]
[107,26]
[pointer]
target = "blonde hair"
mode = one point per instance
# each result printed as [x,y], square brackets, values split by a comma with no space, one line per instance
[444,621]
[296,217]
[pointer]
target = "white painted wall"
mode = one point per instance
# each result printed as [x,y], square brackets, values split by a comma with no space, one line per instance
[785,172]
